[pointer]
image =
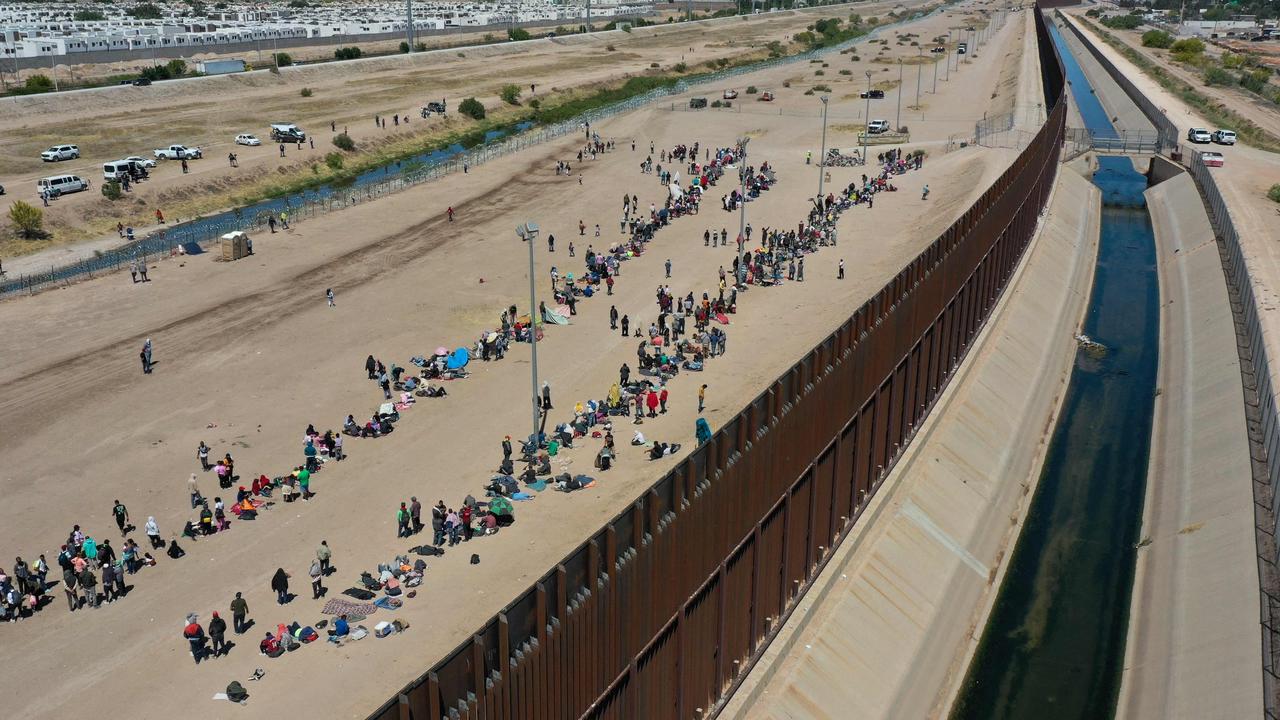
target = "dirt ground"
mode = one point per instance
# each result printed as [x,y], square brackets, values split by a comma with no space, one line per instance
[248,354]
[112,123]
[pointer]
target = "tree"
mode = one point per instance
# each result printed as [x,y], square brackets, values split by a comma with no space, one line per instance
[347,53]
[282,59]
[472,108]
[510,94]
[177,67]
[404,46]
[27,220]
[146,11]
[111,190]
[88,16]
[1156,39]
[518,34]
[344,142]
[1189,46]
[334,161]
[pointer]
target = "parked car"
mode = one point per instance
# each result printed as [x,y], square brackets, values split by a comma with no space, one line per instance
[117,170]
[140,82]
[144,162]
[247,139]
[178,152]
[1212,159]
[61,184]
[287,133]
[766,96]
[875,127]
[962,48]
[1199,135]
[1224,137]
[60,152]
[938,49]
[730,94]
[873,94]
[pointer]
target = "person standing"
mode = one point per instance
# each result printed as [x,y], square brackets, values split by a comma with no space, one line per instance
[662,399]
[800,270]
[449,212]
[317,589]
[142,270]
[89,582]
[69,583]
[121,514]
[506,448]
[133,270]
[668,267]
[415,514]
[239,612]
[438,513]
[402,521]
[465,517]
[840,271]
[194,489]
[613,317]
[202,452]
[324,555]
[702,398]
[217,634]
[328,294]
[280,584]
[195,636]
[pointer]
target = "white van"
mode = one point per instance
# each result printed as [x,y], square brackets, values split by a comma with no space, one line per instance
[117,170]
[62,184]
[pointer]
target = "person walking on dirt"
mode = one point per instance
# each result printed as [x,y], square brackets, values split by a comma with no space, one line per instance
[146,356]
[217,635]
[317,588]
[142,270]
[284,219]
[239,611]
[329,296]
[449,212]
[159,216]
[702,398]
[324,555]
[840,271]
[271,222]
[925,195]
[231,159]
[185,169]
[551,242]
[280,584]
[121,514]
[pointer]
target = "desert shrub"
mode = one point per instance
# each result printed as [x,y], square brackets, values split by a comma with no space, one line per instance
[1256,81]
[343,141]
[1157,39]
[334,161]
[680,67]
[111,190]
[39,83]
[751,90]
[822,88]
[404,46]
[27,220]
[1122,22]
[654,65]
[283,59]
[177,67]
[306,92]
[510,94]
[518,34]
[819,73]
[472,108]
[347,53]
[610,48]
[1218,76]
[1274,193]
[1188,46]
[846,71]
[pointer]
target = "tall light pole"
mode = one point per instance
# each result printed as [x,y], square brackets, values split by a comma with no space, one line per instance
[898,122]
[935,77]
[528,232]
[408,28]
[948,77]
[919,73]
[866,129]
[822,157]
[742,216]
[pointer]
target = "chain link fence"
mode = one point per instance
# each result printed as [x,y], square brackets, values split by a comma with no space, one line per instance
[308,204]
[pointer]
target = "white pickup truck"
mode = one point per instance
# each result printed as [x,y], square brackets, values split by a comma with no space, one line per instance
[178,152]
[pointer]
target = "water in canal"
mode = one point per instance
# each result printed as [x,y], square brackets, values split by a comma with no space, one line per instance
[1053,647]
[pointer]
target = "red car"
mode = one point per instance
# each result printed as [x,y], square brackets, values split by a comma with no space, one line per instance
[766,96]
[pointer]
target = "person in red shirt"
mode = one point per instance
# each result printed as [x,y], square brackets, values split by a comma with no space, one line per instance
[662,399]
[652,402]
[466,522]
[195,635]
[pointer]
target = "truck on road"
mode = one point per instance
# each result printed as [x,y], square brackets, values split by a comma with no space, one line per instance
[178,152]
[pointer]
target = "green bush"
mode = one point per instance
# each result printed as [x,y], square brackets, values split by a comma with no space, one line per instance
[1232,60]
[1218,76]
[518,34]
[1256,81]
[1157,39]
[680,67]
[27,220]
[1274,193]
[510,94]
[1122,22]
[176,67]
[404,46]
[751,90]
[343,141]
[347,53]
[535,103]
[111,190]
[846,71]
[306,92]
[334,161]
[88,16]
[1189,46]
[822,88]
[282,59]
[39,83]
[472,108]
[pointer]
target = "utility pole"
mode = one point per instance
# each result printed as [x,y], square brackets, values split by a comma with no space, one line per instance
[948,77]
[742,216]
[935,77]
[408,27]
[822,157]
[866,129]
[529,233]
[919,72]
[897,123]
[53,69]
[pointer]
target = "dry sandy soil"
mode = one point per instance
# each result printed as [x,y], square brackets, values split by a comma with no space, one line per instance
[249,354]
[111,123]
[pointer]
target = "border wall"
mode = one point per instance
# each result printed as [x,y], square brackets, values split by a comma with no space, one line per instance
[662,611]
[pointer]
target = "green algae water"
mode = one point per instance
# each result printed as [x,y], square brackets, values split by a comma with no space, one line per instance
[1053,647]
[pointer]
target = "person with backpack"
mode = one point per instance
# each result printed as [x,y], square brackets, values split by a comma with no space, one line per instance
[195,637]
[402,521]
[280,584]
[121,514]
[438,513]
[317,590]
[217,634]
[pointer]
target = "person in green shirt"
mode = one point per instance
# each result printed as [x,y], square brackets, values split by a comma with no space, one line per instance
[304,483]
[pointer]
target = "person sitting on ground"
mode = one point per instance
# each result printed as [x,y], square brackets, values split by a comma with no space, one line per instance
[174,551]
[638,438]
[189,531]
[350,427]
[341,629]
[270,646]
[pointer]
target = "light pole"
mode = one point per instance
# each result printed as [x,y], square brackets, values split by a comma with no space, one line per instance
[528,232]
[919,73]
[822,157]
[948,77]
[935,77]
[742,216]
[866,129]
[898,122]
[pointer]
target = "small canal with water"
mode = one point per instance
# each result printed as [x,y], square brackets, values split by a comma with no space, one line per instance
[1053,647]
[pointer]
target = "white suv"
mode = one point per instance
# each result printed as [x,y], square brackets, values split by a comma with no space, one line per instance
[1199,135]
[1224,137]
[60,152]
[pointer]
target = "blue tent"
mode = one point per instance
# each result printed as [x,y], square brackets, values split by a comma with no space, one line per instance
[458,359]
